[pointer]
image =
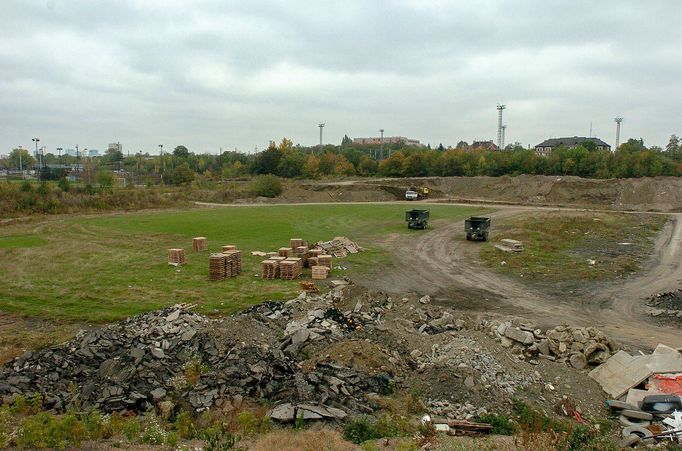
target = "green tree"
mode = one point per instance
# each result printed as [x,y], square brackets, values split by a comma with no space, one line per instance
[27,160]
[346,141]
[673,148]
[182,175]
[181,152]
[105,178]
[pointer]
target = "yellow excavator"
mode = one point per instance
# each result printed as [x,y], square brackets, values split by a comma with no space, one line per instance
[416,192]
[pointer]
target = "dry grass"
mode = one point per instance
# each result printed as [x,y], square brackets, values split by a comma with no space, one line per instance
[17,335]
[314,439]
[565,247]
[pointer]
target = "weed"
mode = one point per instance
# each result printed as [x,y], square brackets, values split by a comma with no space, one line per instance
[251,424]
[132,429]
[184,425]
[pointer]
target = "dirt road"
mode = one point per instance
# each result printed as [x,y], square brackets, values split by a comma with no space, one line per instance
[441,263]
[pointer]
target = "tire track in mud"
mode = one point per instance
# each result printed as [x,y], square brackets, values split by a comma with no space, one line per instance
[445,266]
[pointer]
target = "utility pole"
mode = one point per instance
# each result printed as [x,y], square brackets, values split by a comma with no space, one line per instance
[21,166]
[78,159]
[381,152]
[500,108]
[35,140]
[321,127]
[162,166]
[618,120]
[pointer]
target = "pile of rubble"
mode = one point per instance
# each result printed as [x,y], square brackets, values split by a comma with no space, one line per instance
[177,355]
[666,306]
[579,346]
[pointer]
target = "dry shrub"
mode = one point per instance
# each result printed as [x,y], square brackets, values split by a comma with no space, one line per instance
[309,440]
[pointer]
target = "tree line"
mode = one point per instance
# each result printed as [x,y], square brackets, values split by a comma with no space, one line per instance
[632,159]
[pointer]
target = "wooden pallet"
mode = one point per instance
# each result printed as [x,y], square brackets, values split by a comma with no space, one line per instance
[295,242]
[320,272]
[199,244]
[229,247]
[234,257]
[325,260]
[269,269]
[285,252]
[289,270]
[216,266]
[176,257]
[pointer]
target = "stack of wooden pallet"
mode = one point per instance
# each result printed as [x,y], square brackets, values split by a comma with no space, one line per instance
[199,244]
[285,252]
[269,269]
[216,266]
[295,242]
[234,258]
[325,260]
[312,261]
[289,269]
[229,247]
[176,257]
[320,272]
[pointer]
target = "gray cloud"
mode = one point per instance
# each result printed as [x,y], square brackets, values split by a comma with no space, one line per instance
[211,74]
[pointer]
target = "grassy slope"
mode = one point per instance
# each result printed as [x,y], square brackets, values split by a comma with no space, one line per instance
[559,247]
[107,267]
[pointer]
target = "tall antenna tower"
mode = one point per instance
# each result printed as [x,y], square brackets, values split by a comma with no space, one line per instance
[321,127]
[618,120]
[500,108]
[504,131]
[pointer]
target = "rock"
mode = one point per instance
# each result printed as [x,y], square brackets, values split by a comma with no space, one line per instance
[469,382]
[425,299]
[416,353]
[158,353]
[578,361]
[166,409]
[522,336]
[300,336]
[506,342]
[158,393]
[173,316]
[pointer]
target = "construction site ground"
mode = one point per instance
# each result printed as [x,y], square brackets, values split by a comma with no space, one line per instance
[441,263]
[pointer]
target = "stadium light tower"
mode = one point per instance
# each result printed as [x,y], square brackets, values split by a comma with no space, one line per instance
[618,120]
[500,108]
[381,130]
[321,127]
[36,140]
[504,131]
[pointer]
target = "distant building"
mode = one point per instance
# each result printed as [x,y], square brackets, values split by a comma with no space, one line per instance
[387,140]
[115,147]
[93,153]
[483,145]
[546,146]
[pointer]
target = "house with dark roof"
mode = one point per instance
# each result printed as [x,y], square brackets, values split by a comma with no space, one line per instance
[484,145]
[545,147]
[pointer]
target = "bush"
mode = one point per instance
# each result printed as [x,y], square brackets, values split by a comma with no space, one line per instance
[267,186]
[359,430]
[502,425]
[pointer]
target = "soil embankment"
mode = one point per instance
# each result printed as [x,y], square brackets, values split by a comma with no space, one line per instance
[641,194]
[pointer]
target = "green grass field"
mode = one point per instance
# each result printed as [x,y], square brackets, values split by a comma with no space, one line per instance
[103,268]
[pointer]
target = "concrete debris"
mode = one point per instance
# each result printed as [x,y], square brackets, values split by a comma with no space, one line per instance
[666,307]
[623,372]
[580,347]
[135,364]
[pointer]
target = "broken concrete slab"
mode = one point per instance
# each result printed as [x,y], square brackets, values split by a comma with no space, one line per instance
[620,373]
[519,335]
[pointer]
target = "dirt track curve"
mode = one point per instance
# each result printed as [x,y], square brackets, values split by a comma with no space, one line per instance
[441,263]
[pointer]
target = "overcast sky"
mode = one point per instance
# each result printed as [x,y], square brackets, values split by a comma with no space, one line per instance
[219,73]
